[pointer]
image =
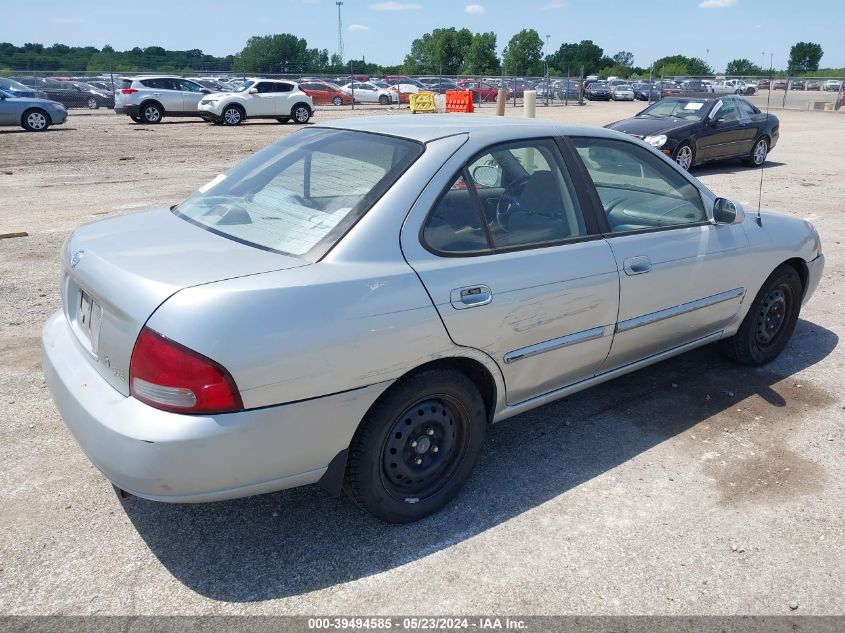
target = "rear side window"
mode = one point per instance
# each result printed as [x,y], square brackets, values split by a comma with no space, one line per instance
[126,83]
[299,196]
[283,87]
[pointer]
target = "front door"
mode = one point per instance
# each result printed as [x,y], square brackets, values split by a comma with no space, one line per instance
[192,94]
[725,133]
[515,268]
[681,276]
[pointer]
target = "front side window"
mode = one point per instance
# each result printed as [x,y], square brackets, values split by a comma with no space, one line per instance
[637,189]
[511,196]
[300,195]
[189,86]
[726,111]
[265,86]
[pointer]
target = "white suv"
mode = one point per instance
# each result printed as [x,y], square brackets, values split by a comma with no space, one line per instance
[258,98]
[148,99]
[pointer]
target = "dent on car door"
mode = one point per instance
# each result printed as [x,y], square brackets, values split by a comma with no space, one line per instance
[515,267]
[681,276]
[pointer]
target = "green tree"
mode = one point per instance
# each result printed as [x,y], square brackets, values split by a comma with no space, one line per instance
[273,53]
[804,56]
[524,53]
[570,57]
[624,58]
[481,56]
[681,65]
[743,67]
[442,50]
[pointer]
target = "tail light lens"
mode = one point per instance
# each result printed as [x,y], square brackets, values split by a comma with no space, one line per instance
[128,91]
[169,376]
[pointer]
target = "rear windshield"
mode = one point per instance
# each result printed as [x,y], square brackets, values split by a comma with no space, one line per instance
[300,195]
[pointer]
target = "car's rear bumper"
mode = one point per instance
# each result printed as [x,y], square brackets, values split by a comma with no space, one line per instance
[130,110]
[184,458]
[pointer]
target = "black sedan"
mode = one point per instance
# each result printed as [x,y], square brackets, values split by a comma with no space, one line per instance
[698,130]
[597,90]
[71,94]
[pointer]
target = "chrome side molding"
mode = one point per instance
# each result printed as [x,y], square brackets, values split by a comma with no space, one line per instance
[684,308]
[557,343]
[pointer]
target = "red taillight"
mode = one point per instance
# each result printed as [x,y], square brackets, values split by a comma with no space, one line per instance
[169,376]
[128,91]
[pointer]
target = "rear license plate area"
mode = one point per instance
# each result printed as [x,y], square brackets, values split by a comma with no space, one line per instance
[89,315]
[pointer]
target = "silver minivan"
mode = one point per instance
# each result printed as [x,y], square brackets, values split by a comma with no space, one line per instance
[149,99]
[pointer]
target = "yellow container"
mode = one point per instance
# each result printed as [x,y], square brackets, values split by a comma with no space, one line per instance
[422,102]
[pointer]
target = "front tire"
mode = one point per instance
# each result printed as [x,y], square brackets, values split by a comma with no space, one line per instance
[758,153]
[770,321]
[417,446]
[35,120]
[232,115]
[685,156]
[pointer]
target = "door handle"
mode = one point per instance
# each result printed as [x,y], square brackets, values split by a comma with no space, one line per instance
[636,265]
[470,297]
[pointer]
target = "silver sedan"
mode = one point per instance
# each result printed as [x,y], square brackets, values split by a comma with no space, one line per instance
[354,304]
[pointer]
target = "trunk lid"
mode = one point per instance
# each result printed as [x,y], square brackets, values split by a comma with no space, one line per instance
[116,272]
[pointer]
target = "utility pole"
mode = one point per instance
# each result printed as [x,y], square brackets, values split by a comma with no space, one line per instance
[548,79]
[339,31]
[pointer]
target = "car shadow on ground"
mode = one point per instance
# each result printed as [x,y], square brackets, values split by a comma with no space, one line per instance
[49,130]
[730,167]
[300,540]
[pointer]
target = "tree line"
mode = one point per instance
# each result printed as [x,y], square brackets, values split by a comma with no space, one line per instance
[447,51]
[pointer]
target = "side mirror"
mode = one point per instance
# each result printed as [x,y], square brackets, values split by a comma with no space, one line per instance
[728,212]
[253,91]
[205,91]
[487,175]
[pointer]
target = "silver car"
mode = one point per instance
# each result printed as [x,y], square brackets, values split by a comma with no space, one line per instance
[148,99]
[354,304]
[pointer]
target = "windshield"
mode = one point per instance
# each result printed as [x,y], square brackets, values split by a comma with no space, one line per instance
[300,195]
[676,109]
[7,84]
[245,86]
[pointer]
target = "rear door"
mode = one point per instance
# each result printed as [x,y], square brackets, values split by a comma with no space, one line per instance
[514,266]
[681,276]
[285,97]
[192,93]
[166,91]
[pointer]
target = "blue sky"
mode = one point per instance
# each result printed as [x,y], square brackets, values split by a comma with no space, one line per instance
[382,30]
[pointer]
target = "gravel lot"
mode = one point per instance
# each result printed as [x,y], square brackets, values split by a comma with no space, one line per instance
[692,487]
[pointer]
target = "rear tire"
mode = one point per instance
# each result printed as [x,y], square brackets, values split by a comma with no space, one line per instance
[93,104]
[416,446]
[770,322]
[759,152]
[151,112]
[337,101]
[301,113]
[35,120]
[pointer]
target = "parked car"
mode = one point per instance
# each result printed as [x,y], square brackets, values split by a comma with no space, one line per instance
[368,92]
[735,86]
[644,91]
[30,113]
[697,86]
[148,99]
[324,93]
[438,84]
[779,84]
[481,91]
[258,98]
[622,92]
[813,84]
[568,90]
[211,84]
[597,90]
[668,88]
[261,348]
[797,84]
[698,130]
[17,89]
[102,86]
[762,84]
[70,94]
[834,85]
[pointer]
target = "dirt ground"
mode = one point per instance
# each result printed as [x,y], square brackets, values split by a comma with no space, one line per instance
[691,487]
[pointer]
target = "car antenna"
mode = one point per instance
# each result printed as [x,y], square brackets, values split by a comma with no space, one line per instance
[762,165]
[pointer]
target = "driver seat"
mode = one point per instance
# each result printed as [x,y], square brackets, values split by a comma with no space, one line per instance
[540,209]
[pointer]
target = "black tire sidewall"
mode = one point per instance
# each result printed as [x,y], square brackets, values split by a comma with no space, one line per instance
[364,470]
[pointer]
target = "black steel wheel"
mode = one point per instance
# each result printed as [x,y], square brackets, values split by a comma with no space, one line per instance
[417,446]
[770,321]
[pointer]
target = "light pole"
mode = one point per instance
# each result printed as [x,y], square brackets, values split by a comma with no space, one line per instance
[548,79]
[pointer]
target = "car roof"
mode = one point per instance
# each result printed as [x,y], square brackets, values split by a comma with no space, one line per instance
[486,128]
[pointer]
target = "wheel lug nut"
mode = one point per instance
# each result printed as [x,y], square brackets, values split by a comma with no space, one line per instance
[418,461]
[434,449]
[430,431]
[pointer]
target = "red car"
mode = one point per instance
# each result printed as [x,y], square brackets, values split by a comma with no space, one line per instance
[480,91]
[323,93]
[780,84]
